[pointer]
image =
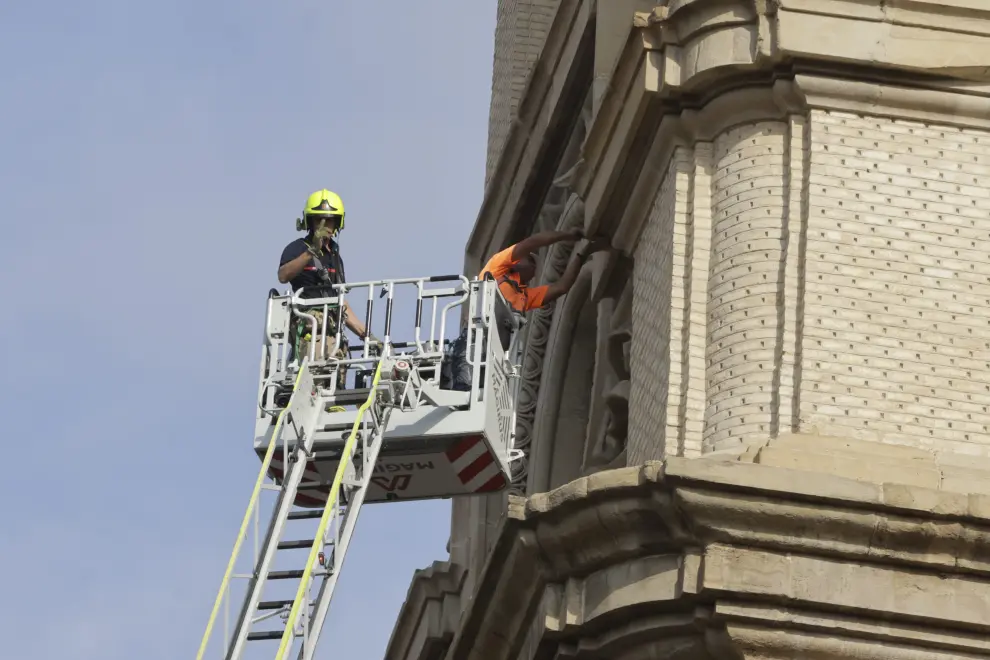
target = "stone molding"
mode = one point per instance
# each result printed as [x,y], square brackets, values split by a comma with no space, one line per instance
[946,104]
[609,419]
[723,558]
[430,613]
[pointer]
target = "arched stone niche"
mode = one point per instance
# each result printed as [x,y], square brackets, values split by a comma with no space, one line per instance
[562,412]
[563,210]
[537,335]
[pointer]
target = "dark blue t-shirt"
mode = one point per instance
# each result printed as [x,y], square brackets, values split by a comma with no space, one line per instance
[309,278]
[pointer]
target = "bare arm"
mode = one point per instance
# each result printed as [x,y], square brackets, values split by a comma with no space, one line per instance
[567,280]
[578,259]
[352,322]
[290,269]
[543,239]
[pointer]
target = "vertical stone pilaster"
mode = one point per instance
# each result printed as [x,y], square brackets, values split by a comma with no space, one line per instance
[697,318]
[658,299]
[792,294]
[680,264]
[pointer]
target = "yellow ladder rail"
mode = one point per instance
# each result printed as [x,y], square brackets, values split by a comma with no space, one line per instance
[255,495]
[338,479]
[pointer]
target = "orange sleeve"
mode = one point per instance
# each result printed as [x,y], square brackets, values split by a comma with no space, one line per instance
[499,264]
[535,296]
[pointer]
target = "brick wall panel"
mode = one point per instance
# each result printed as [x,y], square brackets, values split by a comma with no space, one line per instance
[896,342]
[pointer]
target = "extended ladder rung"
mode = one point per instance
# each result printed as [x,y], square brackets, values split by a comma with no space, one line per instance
[274,604]
[265,634]
[306,514]
[286,575]
[296,545]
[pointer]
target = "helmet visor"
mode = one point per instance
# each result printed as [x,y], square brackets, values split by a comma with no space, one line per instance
[333,221]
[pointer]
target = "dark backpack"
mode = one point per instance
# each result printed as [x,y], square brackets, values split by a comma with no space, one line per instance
[455,374]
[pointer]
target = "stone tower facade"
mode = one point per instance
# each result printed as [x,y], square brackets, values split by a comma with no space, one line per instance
[760,426]
[521,28]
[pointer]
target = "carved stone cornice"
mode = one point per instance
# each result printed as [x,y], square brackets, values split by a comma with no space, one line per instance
[770,631]
[741,559]
[949,103]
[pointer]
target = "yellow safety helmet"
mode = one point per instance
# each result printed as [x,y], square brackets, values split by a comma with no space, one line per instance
[322,203]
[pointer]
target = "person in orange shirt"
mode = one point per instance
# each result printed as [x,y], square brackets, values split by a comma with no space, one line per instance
[513,268]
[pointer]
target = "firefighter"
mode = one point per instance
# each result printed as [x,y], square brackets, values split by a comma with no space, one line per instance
[313,264]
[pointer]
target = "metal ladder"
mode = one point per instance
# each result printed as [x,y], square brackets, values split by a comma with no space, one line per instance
[304,616]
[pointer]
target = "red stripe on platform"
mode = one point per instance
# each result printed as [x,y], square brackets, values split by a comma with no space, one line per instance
[310,470]
[495,483]
[458,450]
[475,468]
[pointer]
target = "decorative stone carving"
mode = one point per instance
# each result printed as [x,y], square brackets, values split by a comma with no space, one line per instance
[537,335]
[562,210]
[609,439]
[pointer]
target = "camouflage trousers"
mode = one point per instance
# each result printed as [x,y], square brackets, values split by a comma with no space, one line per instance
[302,332]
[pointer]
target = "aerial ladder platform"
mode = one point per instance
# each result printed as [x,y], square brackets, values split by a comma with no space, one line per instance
[394,434]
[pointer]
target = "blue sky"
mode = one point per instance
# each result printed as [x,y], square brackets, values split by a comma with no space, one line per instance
[153,157]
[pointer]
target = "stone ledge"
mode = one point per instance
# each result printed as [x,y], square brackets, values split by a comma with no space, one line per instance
[759,643]
[802,581]
[874,461]
[956,43]
[754,615]
[634,542]
[956,477]
[674,636]
[601,597]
